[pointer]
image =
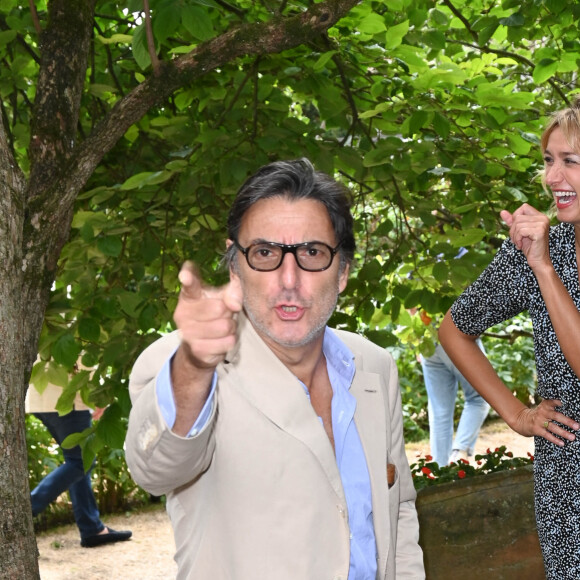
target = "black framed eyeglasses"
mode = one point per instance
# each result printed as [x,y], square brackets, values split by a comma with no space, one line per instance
[268,256]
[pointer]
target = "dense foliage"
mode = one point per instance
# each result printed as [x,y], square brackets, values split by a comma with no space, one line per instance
[429,110]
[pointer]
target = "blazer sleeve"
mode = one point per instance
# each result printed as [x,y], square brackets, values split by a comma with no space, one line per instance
[409,555]
[159,460]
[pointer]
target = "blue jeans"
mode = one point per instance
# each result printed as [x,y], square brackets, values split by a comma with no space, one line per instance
[441,381]
[70,475]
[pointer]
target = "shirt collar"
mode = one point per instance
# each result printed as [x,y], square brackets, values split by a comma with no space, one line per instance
[338,355]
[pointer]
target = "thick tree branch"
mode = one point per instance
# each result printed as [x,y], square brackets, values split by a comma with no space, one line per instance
[254,39]
[65,46]
[53,191]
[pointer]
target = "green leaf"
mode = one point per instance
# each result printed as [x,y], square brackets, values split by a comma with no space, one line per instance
[147,318]
[89,329]
[65,402]
[65,351]
[518,144]
[379,156]
[395,35]
[439,17]
[140,49]
[516,19]
[323,59]
[111,427]
[137,181]
[39,377]
[7,36]
[383,338]
[166,22]
[544,70]
[413,299]
[150,249]
[76,438]
[440,271]
[486,33]
[417,121]
[130,303]
[57,375]
[110,246]
[197,22]
[466,238]
[372,24]
[115,39]
[441,125]
[435,39]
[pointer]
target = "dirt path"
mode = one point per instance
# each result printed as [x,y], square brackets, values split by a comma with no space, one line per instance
[149,553]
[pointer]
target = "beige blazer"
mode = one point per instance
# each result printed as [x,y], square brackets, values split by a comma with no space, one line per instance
[257,495]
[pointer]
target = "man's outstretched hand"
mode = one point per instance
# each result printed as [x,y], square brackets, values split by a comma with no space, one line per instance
[205,318]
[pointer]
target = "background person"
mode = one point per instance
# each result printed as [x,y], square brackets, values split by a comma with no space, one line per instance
[537,270]
[278,441]
[442,379]
[71,474]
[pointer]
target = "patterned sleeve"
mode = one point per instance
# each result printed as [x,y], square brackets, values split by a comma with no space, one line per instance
[500,292]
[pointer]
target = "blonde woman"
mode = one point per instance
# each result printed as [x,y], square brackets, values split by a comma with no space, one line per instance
[537,270]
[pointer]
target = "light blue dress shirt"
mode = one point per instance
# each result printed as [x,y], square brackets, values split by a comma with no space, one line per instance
[350,456]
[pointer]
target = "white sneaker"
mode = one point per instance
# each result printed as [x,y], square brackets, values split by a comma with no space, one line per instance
[458,454]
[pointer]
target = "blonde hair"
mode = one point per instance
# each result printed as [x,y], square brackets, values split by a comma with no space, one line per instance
[569,121]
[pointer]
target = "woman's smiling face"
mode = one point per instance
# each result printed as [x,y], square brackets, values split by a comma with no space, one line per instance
[562,176]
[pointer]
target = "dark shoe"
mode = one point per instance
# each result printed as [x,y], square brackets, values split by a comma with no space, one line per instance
[102,539]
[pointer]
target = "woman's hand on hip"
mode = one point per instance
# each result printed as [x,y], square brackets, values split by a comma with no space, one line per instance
[541,421]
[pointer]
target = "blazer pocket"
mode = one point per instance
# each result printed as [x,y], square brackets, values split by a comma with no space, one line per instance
[392,472]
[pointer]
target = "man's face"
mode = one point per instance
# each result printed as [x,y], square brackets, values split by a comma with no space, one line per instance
[288,307]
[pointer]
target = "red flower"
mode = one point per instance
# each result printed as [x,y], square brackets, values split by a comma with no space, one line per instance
[428,458]
[461,460]
[488,451]
[425,470]
[479,462]
[461,474]
[509,453]
[530,456]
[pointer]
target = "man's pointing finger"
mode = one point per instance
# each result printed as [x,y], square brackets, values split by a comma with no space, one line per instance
[190,281]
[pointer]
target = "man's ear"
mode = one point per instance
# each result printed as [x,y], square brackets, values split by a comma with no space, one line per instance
[233,261]
[343,277]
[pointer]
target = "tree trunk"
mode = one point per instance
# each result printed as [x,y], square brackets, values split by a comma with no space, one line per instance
[17,541]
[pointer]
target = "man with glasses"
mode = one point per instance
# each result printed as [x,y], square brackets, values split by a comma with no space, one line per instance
[278,441]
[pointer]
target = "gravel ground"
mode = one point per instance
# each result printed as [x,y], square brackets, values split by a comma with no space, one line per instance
[148,555]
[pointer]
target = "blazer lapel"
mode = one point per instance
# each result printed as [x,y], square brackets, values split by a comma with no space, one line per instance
[371,424]
[276,392]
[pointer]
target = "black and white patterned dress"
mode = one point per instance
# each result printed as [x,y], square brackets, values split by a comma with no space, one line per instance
[506,288]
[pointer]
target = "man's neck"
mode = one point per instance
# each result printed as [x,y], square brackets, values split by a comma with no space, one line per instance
[305,361]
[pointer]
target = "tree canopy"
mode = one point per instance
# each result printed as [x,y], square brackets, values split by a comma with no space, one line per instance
[126,128]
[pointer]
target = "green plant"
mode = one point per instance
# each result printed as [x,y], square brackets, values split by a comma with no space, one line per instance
[426,472]
[413,394]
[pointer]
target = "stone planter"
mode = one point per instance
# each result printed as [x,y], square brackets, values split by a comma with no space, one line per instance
[481,527]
